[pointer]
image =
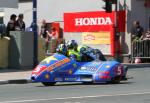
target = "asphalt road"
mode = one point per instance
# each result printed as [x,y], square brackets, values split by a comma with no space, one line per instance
[136,90]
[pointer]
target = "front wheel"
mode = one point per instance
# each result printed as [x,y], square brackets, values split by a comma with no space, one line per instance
[48,83]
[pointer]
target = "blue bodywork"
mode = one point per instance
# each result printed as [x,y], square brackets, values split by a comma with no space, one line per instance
[59,68]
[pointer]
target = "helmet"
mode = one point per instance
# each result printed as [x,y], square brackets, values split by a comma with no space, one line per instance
[81,49]
[62,49]
[72,44]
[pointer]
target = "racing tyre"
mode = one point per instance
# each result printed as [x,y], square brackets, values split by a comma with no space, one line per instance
[48,83]
[116,80]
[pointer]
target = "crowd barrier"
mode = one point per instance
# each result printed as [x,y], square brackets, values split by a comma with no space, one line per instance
[140,50]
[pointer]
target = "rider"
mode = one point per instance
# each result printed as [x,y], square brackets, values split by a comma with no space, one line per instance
[72,50]
[80,53]
[62,49]
[72,45]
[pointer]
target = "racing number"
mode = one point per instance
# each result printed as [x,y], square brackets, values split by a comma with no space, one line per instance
[119,71]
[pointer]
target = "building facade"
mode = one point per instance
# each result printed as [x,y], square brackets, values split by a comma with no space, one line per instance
[53,11]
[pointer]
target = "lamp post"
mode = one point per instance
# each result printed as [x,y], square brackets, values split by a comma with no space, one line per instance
[35,33]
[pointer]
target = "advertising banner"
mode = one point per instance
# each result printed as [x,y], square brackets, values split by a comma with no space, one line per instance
[93,21]
[88,21]
[96,38]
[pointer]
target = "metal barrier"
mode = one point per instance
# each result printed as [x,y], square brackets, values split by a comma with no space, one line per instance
[140,49]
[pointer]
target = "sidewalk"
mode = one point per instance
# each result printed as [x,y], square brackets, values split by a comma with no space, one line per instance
[15,76]
[9,76]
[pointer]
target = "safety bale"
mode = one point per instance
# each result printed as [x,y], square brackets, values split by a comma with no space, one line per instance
[41,49]
[4,46]
[52,45]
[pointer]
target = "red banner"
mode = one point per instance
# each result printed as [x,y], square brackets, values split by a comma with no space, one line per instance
[88,21]
[92,21]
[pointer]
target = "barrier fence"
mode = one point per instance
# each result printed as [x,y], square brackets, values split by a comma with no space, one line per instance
[141,50]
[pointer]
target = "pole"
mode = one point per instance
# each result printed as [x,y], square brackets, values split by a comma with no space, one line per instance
[117,35]
[35,34]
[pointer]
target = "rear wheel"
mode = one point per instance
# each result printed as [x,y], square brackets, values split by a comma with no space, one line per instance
[115,80]
[48,83]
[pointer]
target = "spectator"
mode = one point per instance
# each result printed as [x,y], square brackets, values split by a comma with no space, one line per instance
[147,35]
[137,31]
[2,29]
[11,25]
[20,24]
[43,30]
[53,34]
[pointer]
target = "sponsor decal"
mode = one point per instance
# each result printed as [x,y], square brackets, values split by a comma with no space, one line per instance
[96,37]
[39,69]
[93,21]
[70,79]
[58,79]
[58,63]
[88,68]
[89,37]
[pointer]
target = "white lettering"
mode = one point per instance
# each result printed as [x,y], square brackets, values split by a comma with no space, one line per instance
[86,21]
[108,21]
[101,21]
[78,21]
[93,21]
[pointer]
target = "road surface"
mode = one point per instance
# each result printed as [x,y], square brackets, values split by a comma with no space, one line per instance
[136,90]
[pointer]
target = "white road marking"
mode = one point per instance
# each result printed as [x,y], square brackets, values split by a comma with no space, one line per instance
[81,97]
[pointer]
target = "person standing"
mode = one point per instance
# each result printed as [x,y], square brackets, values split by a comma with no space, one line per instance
[52,34]
[2,28]
[137,31]
[44,28]
[11,25]
[20,24]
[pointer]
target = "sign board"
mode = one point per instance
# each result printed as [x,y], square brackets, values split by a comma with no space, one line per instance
[93,21]
[8,3]
[96,38]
